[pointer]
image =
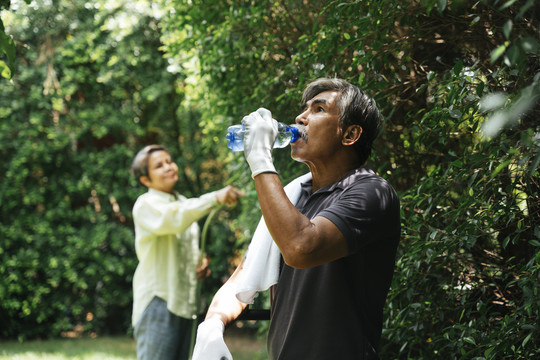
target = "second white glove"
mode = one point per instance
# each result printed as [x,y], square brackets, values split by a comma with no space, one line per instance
[210,344]
[261,133]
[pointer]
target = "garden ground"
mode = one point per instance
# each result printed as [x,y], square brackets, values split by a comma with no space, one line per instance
[242,344]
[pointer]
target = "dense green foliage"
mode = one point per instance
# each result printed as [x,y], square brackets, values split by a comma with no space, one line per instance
[458,83]
[88,94]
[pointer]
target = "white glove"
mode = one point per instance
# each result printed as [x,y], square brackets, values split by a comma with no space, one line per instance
[210,344]
[261,133]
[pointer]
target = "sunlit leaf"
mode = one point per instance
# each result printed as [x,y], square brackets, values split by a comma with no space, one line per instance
[507,4]
[492,101]
[500,167]
[5,71]
[497,53]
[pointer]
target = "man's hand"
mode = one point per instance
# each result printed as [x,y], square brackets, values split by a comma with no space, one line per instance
[261,133]
[210,344]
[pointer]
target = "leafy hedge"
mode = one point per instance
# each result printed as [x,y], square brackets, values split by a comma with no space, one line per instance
[87,96]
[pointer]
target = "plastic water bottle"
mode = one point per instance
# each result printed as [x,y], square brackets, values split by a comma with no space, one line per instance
[286,135]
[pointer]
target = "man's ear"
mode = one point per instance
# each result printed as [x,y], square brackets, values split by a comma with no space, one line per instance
[351,135]
[145,180]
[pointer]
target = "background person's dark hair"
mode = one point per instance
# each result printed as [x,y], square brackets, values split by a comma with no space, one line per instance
[139,167]
[355,108]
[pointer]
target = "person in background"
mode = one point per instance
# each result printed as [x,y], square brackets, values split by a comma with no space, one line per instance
[167,246]
[337,240]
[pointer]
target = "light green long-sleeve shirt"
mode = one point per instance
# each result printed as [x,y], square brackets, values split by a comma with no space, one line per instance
[167,246]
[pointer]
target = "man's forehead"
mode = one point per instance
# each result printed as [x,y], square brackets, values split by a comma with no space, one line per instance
[325,97]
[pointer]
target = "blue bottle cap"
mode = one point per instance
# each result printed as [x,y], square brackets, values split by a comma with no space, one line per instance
[295,133]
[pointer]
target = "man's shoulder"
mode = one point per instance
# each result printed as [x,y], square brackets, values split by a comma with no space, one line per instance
[363,176]
[367,182]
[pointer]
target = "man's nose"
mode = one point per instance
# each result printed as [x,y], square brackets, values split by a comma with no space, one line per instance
[302,118]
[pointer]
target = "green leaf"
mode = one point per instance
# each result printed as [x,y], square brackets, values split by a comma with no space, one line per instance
[512,56]
[524,8]
[475,20]
[526,340]
[500,167]
[506,241]
[456,114]
[441,5]
[488,351]
[5,71]
[534,243]
[497,53]
[7,46]
[458,67]
[507,4]
[480,88]
[507,28]
[530,45]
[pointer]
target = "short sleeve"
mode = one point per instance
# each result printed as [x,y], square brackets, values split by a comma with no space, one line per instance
[365,213]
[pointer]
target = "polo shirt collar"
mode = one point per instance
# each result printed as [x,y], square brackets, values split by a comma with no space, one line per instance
[351,176]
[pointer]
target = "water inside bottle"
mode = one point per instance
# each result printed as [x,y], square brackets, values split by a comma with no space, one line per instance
[286,135]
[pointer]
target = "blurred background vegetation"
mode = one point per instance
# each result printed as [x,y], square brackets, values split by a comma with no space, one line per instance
[86,84]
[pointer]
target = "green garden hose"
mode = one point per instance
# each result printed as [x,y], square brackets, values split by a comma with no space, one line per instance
[198,290]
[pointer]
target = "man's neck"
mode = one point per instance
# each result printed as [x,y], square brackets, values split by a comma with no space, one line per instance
[330,174]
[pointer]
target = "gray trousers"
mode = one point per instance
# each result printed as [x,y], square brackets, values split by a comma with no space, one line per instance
[161,335]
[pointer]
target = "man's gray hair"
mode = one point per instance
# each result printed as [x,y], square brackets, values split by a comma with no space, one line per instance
[355,108]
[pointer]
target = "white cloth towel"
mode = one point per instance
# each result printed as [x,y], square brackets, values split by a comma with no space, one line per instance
[261,267]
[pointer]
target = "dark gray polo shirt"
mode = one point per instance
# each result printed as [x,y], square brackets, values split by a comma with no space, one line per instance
[334,311]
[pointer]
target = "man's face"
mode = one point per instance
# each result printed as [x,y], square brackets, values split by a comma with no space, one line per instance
[321,129]
[162,172]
